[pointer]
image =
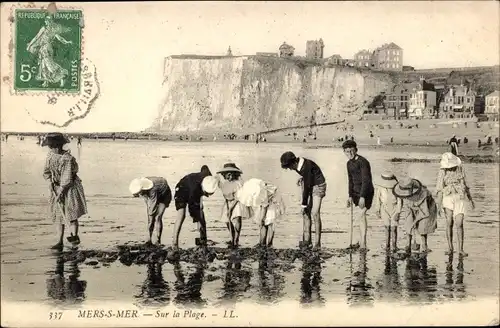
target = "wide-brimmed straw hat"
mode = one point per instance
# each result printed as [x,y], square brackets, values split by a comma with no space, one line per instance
[140,184]
[54,139]
[448,160]
[387,180]
[230,167]
[209,184]
[287,158]
[407,187]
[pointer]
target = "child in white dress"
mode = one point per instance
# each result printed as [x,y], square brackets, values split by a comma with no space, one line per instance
[265,206]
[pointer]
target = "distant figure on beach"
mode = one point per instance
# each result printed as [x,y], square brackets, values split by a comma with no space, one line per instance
[418,212]
[188,193]
[157,194]
[479,144]
[465,124]
[496,140]
[488,140]
[313,192]
[67,198]
[466,140]
[453,145]
[361,190]
[452,194]
[387,207]
[378,141]
[264,205]
[79,141]
[392,139]
[232,210]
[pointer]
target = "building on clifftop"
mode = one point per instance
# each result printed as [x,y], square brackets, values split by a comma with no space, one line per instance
[363,58]
[314,49]
[388,57]
[286,50]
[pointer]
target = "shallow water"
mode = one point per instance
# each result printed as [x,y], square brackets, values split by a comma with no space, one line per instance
[31,272]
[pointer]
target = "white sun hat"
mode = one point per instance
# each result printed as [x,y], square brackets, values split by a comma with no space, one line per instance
[139,184]
[448,160]
[210,184]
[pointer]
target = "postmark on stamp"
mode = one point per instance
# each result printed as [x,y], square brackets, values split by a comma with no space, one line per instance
[48,50]
[50,76]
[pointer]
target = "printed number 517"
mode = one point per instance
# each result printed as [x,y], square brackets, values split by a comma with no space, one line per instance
[26,71]
[55,315]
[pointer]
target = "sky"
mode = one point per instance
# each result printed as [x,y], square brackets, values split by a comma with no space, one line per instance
[127,42]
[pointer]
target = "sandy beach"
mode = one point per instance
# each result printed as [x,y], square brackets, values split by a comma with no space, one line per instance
[31,272]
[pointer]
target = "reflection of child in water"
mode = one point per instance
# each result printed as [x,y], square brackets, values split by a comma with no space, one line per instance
[155,288]
[190,291]
[70,290]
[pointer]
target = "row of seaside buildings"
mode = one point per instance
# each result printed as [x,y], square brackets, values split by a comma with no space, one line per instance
[425,100]
[387,57]
[406,100]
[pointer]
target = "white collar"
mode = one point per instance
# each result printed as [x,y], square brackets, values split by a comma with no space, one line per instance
[299,165]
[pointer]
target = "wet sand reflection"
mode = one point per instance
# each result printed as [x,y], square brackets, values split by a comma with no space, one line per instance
[155,290]
[454,289]
[420,280]
[359,291]
[271,281]
[310,291]
[65,286]
[189,292]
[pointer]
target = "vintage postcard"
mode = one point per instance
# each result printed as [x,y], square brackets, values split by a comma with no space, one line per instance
[246,163]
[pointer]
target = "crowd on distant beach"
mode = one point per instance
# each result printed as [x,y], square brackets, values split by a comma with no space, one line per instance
[406,201]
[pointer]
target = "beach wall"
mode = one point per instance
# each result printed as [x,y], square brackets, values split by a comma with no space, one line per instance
[257,93]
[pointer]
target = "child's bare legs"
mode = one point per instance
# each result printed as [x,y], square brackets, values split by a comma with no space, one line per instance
[159,222]
[306,235]
[270,234]
[363,225]
[449,230]
[423,248]
[236,230]
[387,237]
[151,228]
[394,237]
[316,216]
[60,235]
[263,230]
[460,234]
[202,227]
[181,216]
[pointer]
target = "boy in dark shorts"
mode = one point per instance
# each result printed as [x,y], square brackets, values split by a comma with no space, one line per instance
[313,191]
[157,195]
[188,193]
[361,190]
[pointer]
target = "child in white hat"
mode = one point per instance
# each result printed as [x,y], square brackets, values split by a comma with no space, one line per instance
[188,193]
[387,207]
[157,195]
[452,195]
[265,205]
[232,211]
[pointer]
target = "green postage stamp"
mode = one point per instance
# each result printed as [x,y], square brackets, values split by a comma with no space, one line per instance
[48,50]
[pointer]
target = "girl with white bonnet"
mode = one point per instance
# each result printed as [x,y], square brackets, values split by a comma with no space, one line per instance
[387,207]
[265,206]
[452,194]
[232,210]
[157,195]
[418,211]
